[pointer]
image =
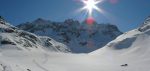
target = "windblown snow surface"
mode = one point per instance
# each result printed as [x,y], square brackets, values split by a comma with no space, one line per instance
[128,52]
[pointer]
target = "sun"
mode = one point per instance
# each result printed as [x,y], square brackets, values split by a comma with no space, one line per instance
[90,5]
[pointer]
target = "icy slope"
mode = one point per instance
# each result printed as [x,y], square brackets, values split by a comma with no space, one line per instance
[79,37]
[12,38]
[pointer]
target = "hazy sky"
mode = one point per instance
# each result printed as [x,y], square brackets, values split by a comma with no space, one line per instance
[126,14]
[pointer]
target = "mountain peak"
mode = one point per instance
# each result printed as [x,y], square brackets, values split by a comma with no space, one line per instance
[71,21]
[40,21]
[147,21]
[146,25]
[2,20]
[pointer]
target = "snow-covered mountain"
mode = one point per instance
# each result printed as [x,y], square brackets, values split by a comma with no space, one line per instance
[79,37]
[13,38]
[135,42]
[128,52]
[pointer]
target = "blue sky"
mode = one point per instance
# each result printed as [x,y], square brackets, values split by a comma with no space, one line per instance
[126,14]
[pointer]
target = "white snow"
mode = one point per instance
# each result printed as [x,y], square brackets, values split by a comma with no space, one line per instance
[136,56]
[128,52]
[47,61]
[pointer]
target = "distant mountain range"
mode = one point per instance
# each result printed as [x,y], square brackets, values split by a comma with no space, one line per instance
[13,38]
[79,37]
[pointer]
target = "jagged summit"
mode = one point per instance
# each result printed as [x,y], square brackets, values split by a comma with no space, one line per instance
[79,37]
[5,26]
[71,21]
[147,21]
[2,20]
[41,21]
[145,26]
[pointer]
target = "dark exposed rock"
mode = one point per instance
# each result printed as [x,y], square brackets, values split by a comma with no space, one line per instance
[124,65]
[7,42]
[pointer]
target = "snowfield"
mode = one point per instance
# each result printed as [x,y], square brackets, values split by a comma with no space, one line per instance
[12,60]
[129,52]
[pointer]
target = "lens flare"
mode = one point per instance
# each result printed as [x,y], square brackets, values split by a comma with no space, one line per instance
[90,21]
[91,5]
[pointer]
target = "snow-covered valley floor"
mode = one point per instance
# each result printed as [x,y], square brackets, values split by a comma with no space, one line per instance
[128,52]
[12,60]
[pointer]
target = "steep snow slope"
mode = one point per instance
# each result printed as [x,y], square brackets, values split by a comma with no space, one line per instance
[79,37]
[128,52]
[136,41]
[12,38]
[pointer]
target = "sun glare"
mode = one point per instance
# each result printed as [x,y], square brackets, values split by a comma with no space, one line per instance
[90,5]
